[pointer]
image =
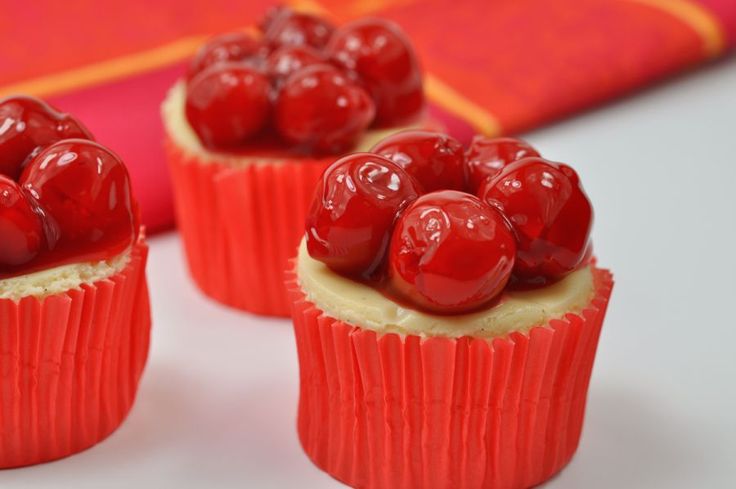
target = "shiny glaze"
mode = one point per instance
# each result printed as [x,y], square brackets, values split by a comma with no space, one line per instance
[384,60]
[324,118]
[288,28]
[227,104]
[486,157]
[21,229]
[550,214]
[435,160]
[286,60]
[72,204]
[354,208]
[321,109]
[450,253]
[226,48]
[27,125]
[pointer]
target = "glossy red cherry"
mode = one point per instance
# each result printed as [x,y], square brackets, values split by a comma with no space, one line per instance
[550,214]
[289,28]
[227,104]
[27,125]
[285,60]
[354,207]
[435,160]
[486,157]
[450,253]
[225,48]
[382,56]
[84,191]
[321,110]
[21,230]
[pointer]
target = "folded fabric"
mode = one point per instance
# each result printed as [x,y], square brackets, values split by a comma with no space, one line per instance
[497,67]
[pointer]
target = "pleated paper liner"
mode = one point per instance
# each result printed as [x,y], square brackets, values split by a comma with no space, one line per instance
[403,412]
[71,364]
[241,226]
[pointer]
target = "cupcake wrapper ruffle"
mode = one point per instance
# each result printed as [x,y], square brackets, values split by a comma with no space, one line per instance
[404,412]
[71,364]
[241,226]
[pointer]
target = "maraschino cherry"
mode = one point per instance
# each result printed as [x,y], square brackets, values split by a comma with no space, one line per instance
[286,60]
[226,48]
[84,191]
[486,157]
[550,214]
[363,75]
[450,253]
[383,58]
[354,208]
[66,200]
[434,159]
[21,229]
[27,126]
[322,110]
[228,103]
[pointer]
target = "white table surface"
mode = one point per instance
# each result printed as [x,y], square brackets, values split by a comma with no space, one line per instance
[217,404]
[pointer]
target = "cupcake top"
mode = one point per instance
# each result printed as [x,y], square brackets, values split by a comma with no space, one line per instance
[301,85]
[423,235]
[64,200]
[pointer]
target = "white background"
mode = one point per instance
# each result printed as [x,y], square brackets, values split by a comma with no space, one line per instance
[217,404]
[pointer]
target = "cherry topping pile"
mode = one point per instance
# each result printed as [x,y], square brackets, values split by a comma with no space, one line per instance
[63,197]
[316,87]
[447,229]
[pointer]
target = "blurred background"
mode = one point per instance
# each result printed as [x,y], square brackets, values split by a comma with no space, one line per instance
[638,95]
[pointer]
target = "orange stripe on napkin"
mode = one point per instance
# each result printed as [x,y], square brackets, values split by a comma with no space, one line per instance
[106,71]
[700,19]
[453,102]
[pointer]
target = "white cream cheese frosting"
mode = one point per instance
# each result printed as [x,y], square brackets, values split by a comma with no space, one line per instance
[362,305]
[60,279]
[178,129]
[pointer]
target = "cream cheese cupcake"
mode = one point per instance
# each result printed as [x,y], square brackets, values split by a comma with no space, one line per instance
[447,313]
[253,124]
[74,310]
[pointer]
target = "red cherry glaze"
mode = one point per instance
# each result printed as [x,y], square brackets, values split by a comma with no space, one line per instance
[450,253]
[26,126]
[435,160]
[225,48]
[288,28]
[21,230]
[382,56]
[228,103]
[84,192]
[286,60]
[486,157]
[550,214]
[322,110]
[354,207]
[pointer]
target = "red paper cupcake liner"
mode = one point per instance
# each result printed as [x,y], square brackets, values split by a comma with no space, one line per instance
[71,364]
[379,411]
[241,226]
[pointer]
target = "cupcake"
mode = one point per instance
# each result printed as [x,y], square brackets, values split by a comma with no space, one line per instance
[74,311]
[256,120]
[447,311]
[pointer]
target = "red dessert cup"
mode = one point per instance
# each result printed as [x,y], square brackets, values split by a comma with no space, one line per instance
[241,225]
[404,411]
[71,363]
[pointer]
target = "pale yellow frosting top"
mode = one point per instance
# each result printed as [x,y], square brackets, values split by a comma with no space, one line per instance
[178,128]
[60,279]
[364,306]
